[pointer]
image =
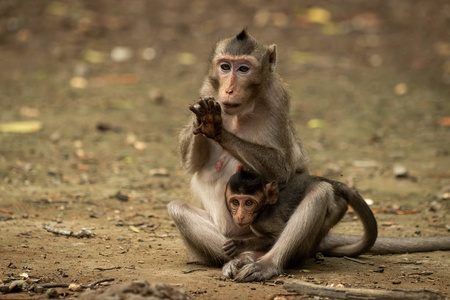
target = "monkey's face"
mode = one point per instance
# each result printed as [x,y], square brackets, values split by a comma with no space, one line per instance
[243,208]
[238,83]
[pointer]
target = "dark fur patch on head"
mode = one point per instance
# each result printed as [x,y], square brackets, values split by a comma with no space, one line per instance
[242,35]
[242,44]
[247,183]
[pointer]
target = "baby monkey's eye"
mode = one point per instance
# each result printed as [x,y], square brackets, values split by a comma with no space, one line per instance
[225,67]
[244,69]
[249,203]
[235,202]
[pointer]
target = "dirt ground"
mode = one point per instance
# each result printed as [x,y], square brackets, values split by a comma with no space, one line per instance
[109,83]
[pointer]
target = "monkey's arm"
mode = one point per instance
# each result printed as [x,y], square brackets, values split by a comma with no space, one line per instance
[265,160]
[194,149]
[270,161]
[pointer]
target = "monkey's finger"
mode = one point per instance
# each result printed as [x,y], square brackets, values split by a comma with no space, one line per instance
[204,105]
[229,248]
[212,105]
[217,107]
[244,276]
[196,109]
[208,98]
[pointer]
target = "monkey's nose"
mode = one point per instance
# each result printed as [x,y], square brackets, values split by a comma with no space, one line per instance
[229,92]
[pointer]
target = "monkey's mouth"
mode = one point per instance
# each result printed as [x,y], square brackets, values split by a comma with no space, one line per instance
[242,225]
[230,105]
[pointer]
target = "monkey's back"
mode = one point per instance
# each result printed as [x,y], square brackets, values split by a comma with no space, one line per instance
[273,218]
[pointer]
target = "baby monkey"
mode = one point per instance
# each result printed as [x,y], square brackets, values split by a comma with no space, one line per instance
[266,207]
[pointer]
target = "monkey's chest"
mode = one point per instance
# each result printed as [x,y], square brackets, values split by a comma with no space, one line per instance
[220,165]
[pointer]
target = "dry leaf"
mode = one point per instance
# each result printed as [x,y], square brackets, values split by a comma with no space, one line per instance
[407,212]
[134,228]
[316,123]
[186,58]
[21,127]
[379,210]
[105,79]
[318,15]
[78,82]
[29,112]
[444,121]
[401,89]
[93,56]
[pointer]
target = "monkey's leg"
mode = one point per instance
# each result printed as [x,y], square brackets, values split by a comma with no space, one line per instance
[201,237]
[299,237]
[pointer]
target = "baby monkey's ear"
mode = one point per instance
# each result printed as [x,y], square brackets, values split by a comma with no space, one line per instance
[271,192]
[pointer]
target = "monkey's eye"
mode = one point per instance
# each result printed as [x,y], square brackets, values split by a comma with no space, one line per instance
[225,67]
[248,203]
[243,69]
[235,202]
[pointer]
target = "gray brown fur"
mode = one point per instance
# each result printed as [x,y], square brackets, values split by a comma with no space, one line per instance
[263,140]
[272,219]
[259,135]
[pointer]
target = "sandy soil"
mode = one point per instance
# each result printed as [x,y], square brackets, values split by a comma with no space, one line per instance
[376,73]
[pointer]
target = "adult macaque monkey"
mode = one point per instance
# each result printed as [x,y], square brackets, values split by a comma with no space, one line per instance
[242,120]
[253,202]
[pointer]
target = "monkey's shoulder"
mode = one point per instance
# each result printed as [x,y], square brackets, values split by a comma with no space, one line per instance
[273,218]
[269,228]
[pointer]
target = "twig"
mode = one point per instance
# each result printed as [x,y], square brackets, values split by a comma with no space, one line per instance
[82,233]
[193,270]
[408,262]
[20,285]
[424,273]
[355,260]
[107,269]
[90,286]
[305,288]
[65,285]
[54,285]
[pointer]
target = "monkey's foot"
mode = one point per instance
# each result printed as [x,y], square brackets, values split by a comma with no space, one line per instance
[257,271]
[231,268]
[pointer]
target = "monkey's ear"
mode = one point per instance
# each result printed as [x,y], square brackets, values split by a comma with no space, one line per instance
[271,191]
[272,56]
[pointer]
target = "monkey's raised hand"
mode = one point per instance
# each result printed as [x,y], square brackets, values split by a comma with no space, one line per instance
[209,118]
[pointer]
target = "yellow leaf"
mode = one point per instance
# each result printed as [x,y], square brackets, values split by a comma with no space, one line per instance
[318,15]
[21,127]
[401,89]
[305,270]
[316,123]
[186,58]
[134,228]
[93,56]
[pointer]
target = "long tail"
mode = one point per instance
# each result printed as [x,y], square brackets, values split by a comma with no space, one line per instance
[361,244]
[387,245]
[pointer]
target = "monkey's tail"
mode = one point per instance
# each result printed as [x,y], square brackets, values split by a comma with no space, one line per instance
[388,245]
[365,243]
